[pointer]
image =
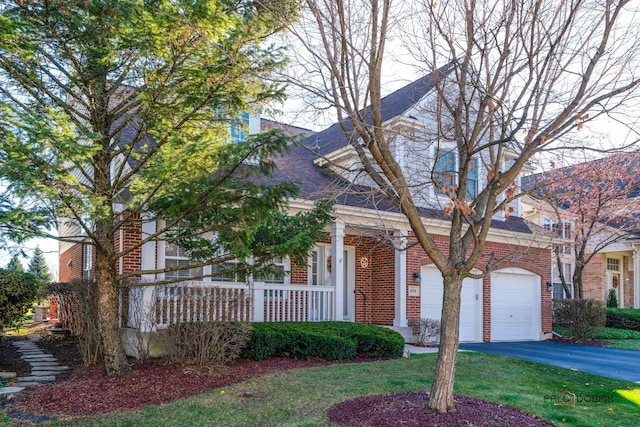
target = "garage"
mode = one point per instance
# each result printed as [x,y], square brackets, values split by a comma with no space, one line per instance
[470,307]
[515,305]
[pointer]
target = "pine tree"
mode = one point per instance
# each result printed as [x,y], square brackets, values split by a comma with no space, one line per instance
[38,267]
[15,264]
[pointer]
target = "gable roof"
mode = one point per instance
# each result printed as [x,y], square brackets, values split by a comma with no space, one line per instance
[392,105]
[317,183]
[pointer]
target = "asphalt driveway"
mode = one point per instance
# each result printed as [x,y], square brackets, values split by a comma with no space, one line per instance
[608,362]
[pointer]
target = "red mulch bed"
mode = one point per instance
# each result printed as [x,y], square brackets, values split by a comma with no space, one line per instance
[409,410]
[88,391]
[583,342]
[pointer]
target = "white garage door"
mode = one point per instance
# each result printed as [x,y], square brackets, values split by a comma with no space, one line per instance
[515,305]
[470,304]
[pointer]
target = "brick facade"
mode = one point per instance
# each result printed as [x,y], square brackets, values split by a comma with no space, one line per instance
[376,281]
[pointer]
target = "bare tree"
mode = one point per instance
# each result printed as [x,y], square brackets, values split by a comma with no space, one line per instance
[509,79]
[599,198]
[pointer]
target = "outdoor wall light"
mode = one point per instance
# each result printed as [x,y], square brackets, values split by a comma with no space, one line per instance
[416,278]
[550,286]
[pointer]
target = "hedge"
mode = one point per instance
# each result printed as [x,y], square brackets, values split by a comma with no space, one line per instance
[617,334]
[623,318]
[326,340]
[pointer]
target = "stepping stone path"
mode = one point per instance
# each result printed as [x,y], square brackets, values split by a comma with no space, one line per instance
[44,368]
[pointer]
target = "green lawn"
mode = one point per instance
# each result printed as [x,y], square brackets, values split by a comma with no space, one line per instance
[302,397]
[626,344]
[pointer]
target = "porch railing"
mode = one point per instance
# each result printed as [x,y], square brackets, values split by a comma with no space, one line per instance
[209,301]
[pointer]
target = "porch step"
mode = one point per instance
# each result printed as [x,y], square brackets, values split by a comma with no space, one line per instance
[405,331]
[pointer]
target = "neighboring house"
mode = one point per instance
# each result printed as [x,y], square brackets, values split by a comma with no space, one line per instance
[367,269]
[616,263]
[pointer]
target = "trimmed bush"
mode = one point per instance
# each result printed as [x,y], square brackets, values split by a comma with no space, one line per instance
[623,318]
[617,334]
[326,340]
[581,317]
[612,299]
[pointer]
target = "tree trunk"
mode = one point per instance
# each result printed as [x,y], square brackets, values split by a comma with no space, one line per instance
[115,359]
[577,281]
[441,397]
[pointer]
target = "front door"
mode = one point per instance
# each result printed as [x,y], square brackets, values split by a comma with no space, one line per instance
[320,266]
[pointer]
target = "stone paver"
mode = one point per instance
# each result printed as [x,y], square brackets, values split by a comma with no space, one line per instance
[7,375]
[10,390]
[49,368]
[43,379]
[44,367]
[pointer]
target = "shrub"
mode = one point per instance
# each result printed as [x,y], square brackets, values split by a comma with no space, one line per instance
[426,331]
[581,317]
[617,334]
[17,292]
[327,340]
[78,312]
[612,299]
[623,318]
[204,343]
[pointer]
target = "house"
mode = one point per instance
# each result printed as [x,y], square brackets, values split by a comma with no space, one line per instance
[367,268]
[605,210]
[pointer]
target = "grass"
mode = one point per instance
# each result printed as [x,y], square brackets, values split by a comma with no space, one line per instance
[618,338]
[302,397]
[625,344]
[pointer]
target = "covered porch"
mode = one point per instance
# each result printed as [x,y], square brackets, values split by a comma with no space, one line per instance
[357,274]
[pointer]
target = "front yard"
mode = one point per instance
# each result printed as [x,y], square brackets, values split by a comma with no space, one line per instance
[301,397]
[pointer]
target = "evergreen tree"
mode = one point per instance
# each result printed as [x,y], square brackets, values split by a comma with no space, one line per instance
[116,112]
[15,264]
[39,268]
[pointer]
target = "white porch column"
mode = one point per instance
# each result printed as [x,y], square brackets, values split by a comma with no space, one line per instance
[147,307]
[337,267]
[636,276]
[257,301]
[400,318]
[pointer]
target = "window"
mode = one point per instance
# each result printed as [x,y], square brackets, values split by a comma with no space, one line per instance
[220,273]
[239,128]
[613,264]
[87,267]
[278,274]
[472,180]
[175,256]
[562,229]
[558,289]
[444,171]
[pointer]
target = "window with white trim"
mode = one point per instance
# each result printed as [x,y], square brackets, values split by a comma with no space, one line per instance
[445,174]
[444,171]
[558,289]
[561,229]
[613,264]
[239,128]
[87,265]
[175,256]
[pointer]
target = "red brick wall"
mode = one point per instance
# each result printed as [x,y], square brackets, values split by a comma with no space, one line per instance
[131,234]
[535,260]
[594,278]
[377,279]
[72,256]
[628,281]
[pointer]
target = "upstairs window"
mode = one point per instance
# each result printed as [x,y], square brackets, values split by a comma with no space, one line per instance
[444,171]
[239,128]
[472,180]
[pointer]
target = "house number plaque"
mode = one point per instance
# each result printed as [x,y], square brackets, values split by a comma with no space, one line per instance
[364,262]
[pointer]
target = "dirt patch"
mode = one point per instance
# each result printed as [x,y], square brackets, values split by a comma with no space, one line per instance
[409,410]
